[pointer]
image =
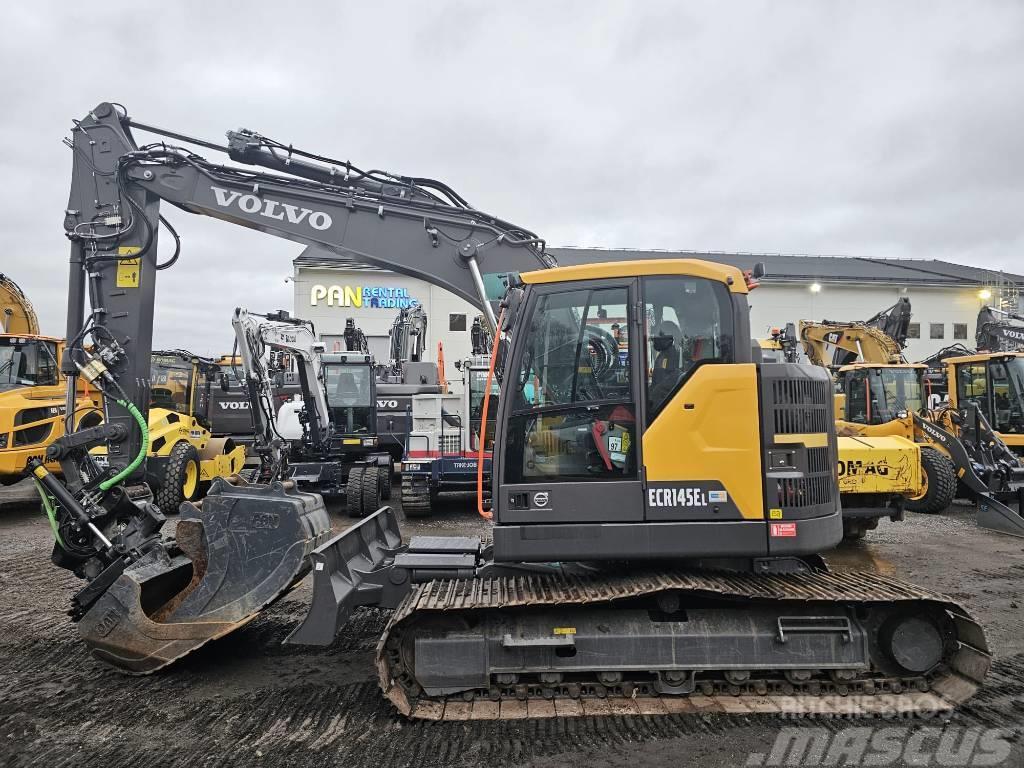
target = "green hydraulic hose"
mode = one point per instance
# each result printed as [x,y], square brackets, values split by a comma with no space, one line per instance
[51,513]
[143,448]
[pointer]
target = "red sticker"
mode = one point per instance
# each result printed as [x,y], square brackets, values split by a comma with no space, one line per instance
[783,530]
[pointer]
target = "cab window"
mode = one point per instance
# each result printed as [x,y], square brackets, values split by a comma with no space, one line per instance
[170,383]
[573,415]
[688,321]
[972,387]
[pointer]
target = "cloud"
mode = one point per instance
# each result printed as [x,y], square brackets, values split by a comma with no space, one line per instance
[870,129]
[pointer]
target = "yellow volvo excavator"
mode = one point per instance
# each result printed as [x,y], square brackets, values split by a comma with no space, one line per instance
[657,515]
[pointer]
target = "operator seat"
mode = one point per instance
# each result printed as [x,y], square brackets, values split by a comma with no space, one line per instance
[347,390]
[665,372]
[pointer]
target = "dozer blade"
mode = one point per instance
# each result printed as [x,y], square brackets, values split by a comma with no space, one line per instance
[998,516]
[348,572]
[244,548]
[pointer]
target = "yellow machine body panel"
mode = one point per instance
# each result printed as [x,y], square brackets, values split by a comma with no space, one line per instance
[889,465]
[709,430]
[221,464]
[895,428]
[167,428]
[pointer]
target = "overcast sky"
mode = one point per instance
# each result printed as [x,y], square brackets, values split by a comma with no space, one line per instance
[871,129]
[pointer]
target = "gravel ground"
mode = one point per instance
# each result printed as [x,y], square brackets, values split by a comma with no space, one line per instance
[248,700]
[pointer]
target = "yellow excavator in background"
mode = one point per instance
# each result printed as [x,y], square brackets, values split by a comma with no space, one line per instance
[879,339]
[32,388]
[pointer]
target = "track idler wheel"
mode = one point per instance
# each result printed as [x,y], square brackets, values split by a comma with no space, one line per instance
[916,643]
[245,548]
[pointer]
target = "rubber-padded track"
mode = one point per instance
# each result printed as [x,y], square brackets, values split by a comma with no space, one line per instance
[957,679]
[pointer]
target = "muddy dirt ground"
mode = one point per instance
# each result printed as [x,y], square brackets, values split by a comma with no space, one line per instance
[248,700]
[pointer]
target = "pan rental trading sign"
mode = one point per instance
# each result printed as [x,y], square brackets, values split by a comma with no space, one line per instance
[368,296]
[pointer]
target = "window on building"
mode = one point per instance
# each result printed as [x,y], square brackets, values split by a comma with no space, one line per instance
[456,322]
[937,331]
[914,331]
[959,330]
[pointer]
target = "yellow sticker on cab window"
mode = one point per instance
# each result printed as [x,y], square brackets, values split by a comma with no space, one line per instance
[128,272]
[564,630]
[775,514]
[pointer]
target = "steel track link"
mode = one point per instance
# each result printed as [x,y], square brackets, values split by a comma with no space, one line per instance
[957,678]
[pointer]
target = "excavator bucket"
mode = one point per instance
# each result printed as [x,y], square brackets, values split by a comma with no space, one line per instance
[1001,516]
[242,549]
[348,572]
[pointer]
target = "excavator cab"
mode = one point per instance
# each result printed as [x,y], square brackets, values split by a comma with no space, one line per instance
[27,362]
[613,390]
[349,386]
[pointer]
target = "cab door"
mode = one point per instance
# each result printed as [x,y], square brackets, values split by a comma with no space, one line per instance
[569,408]
[700,413]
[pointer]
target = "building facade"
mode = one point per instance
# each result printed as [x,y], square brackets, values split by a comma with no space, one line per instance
[328,293]
[945,297]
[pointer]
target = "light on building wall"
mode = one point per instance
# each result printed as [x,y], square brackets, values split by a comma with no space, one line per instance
[984,294]
[815,287]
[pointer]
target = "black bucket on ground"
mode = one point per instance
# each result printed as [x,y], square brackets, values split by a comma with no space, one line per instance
[240,550]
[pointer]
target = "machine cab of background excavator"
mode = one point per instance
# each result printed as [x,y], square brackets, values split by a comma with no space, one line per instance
[350,389]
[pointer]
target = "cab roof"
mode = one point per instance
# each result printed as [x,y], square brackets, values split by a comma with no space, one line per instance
[866,366]
[981,357]
[30,337]
[723,273]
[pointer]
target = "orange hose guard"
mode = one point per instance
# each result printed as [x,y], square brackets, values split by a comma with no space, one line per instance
[486,514]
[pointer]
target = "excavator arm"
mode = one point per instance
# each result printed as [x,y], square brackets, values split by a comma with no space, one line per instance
[223,566]
[413,226]
[879,339]
[832,344]
[254,334]
[997,331]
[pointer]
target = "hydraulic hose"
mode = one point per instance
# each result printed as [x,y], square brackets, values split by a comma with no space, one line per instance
[485,513]
[143,447]
[51,513]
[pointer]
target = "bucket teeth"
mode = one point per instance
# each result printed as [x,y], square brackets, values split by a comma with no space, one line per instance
[242,550]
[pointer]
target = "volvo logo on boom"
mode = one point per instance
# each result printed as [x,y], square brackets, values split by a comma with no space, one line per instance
[272,209]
